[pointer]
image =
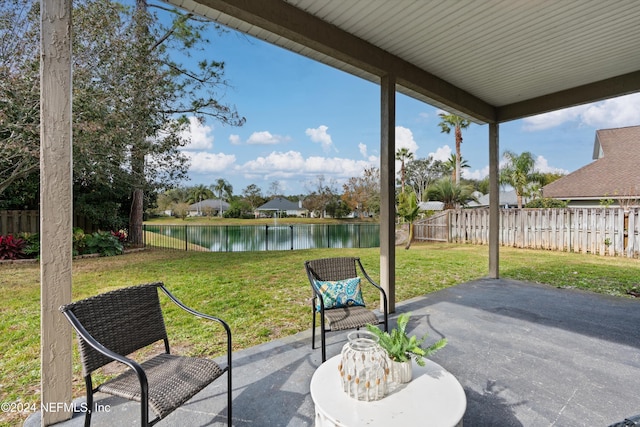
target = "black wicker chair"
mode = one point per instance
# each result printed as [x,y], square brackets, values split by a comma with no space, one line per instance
[342,318]
[112,325]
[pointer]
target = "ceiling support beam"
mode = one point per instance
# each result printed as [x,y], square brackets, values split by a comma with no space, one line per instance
[388,189]
[604,89]
[56,203]
[494,202]
[285,20]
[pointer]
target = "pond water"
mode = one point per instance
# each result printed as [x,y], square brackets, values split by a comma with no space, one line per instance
[241,238]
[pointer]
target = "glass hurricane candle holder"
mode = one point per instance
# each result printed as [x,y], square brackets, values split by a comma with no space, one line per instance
[364,367]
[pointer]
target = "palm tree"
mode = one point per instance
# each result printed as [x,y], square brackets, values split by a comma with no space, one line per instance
[199,193]
[451,194]
[458,123]
[520,173]
[403,154]
[224,190]
[450,165]
[408,209]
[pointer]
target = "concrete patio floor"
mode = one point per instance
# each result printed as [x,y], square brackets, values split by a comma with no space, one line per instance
[525,354]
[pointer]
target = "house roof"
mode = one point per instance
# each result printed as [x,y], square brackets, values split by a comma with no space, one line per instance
[491,61]
[613,173]
[509,198]
[210,203]
[279,204]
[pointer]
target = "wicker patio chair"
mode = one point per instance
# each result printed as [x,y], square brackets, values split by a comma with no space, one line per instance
[345,315]
[113,325]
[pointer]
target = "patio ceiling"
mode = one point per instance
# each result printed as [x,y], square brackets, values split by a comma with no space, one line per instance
[492,61]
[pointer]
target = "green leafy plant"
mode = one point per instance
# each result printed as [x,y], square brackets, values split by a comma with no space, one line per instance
[11,247]
[103,243]
[402,348]
[32,244]
[79,243]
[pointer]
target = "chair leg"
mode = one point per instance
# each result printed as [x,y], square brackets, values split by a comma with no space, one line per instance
[87,416]
[229,397]
[322,340]
[313,329]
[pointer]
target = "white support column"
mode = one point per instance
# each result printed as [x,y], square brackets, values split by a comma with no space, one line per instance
[494,202]
[56,205]
[388,189]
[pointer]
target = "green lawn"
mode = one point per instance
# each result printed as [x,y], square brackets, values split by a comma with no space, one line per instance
[264,295]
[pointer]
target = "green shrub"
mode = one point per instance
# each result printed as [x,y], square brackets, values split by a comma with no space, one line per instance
[79,243]
[103,243]
[546,202]
[32,244]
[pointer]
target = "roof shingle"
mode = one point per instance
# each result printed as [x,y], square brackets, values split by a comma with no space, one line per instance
[615,173]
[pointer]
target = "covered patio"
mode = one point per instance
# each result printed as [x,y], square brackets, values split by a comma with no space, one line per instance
[526,355]
[491,62]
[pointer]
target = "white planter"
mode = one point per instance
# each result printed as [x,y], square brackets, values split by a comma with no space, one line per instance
[401,372]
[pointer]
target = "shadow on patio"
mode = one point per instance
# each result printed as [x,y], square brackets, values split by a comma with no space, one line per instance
[525,354]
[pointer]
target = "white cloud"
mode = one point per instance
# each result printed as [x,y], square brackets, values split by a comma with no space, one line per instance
[203,162]
[612,113]
[552,119]
[542,165]
[234,139]
[290,163]
[266,138]
[442,153]
[199,136]
[477,174]
[363,149]
[404,139]
[320,135]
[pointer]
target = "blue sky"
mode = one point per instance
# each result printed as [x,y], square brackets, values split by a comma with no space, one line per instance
[305,119]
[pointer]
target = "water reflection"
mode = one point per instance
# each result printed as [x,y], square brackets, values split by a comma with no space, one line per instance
[242,238]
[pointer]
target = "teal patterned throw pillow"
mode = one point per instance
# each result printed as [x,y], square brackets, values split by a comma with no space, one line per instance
[341,293]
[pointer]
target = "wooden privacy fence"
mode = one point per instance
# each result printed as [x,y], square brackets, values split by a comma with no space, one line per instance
[14,222]
[602,231]
[28,221]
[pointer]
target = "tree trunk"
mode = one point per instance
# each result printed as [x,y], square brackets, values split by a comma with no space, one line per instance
[410,238]
[135,218]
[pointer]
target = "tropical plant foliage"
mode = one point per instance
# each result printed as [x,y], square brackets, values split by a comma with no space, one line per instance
[402,348]
[520,173]
[451,194]
[457,123]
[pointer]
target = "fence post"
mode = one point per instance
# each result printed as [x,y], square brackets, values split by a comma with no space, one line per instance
[291,227]
[186,242]
[266,238]
[328,238]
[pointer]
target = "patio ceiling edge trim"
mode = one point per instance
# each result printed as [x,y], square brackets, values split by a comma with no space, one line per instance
[592,92]
[291,23]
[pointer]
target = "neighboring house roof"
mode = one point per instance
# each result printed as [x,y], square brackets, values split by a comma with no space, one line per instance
[210,203]
[614,171]
[431,206]
[507,198]
[280,204]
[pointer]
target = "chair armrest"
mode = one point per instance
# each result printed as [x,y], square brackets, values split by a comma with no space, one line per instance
[89,339]
[203,316]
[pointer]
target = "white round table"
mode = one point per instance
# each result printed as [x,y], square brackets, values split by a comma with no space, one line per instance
[433,398]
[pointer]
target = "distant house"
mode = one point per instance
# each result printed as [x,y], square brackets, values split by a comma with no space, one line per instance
[613,176]
[507,199]
[209,207]
[281,206]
